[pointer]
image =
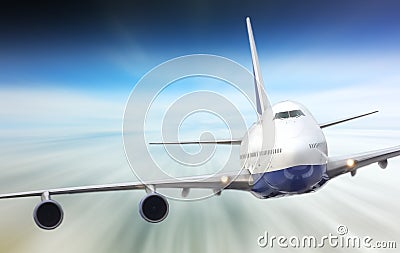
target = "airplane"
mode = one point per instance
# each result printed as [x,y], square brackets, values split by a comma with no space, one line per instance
[283,153]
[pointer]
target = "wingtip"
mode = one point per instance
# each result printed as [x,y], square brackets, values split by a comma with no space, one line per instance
[373,112]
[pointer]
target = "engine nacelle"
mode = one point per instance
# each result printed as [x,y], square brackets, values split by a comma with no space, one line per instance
[154,208]
[383,164]
[48,214]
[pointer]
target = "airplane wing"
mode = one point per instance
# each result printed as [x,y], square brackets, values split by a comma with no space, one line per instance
[48,214]
[332,123]
[351,163]
[216,183]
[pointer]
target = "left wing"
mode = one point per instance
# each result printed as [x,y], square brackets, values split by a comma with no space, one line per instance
[332,123]
[216,183]
[350,163]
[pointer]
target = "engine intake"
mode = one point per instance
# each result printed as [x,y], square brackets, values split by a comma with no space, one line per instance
[153,208]
[48,214]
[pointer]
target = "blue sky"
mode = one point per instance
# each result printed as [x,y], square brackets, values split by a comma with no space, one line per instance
[108,47]
[100,51]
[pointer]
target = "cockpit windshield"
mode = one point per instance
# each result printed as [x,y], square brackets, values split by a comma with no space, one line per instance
[296,113]
[282,115]
[289,114]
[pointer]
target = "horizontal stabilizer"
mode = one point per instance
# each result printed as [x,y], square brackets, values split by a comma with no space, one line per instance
[328,124]
[224,142]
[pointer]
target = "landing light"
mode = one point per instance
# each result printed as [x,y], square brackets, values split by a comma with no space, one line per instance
[224,179]
[350,163]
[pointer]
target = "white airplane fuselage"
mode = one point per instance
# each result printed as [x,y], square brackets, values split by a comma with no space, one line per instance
[285,151]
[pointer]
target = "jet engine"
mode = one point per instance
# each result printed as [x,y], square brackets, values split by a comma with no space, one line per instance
[48,214]
[153,208]
[383,164]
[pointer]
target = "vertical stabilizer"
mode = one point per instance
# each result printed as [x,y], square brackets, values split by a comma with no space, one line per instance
[262,102]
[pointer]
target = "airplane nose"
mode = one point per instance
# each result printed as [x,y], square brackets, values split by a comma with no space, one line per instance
[297,179]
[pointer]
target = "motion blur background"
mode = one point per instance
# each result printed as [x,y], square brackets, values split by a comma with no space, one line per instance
[67,69]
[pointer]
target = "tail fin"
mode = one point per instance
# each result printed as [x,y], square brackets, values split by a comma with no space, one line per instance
[262,101]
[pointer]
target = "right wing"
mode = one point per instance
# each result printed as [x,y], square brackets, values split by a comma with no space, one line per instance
[48,214]
[350,163]
[216,183]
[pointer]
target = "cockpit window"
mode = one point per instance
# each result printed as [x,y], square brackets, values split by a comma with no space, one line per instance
[282,115]
[290,114]
[296,113]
